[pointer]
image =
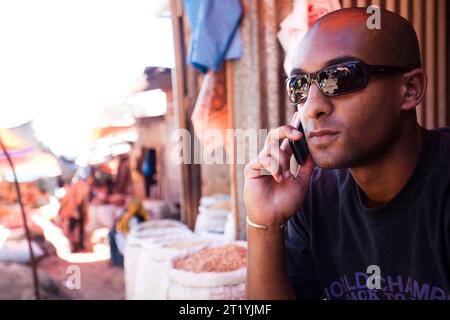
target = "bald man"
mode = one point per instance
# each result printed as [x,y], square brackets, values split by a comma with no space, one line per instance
[367,216]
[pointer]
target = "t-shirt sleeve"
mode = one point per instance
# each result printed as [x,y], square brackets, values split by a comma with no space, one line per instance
[300,266]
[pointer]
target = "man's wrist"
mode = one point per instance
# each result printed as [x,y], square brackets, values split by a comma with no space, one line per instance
[276,226]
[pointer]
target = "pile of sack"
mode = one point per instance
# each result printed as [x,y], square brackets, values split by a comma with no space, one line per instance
[215,218]
[164,260]
[141,279]
[214,272]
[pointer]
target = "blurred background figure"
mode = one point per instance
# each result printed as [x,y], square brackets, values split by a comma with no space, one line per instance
[122,181]
[149,171]
[73,213]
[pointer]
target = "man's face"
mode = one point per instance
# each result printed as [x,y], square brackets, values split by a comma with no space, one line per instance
[362,124]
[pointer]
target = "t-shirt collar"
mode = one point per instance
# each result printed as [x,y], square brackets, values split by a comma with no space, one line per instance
[403,200]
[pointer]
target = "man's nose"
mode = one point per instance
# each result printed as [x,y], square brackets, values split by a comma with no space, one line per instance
[317,105]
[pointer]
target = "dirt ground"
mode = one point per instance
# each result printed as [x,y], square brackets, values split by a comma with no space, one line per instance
[98,280]
[16,283]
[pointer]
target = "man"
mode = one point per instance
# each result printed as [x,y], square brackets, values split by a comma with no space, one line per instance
[368,214]
[73,212]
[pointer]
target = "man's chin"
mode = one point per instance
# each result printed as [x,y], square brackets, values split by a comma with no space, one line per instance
[329,161]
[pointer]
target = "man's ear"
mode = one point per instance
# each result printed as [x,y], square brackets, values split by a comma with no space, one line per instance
[414,87]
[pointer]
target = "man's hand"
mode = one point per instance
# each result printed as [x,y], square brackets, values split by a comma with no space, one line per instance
[273,196]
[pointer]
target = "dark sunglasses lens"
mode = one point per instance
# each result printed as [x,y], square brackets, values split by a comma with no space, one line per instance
[297,88]
[342,79]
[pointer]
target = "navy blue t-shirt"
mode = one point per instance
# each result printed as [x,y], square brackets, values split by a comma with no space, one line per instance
[334,237]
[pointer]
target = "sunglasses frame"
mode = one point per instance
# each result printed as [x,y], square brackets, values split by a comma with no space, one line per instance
[368,70]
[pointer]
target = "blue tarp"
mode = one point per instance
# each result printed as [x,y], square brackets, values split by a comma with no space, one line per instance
[214,32]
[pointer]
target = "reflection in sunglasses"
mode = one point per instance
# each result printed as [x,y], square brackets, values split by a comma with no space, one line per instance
[330,85]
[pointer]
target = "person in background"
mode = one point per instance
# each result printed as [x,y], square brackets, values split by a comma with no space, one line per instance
[122,182]
[73,212]
[134,215]
[149,171]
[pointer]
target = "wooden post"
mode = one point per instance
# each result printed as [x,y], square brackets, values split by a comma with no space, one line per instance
[25,223]
[185,90]
[232,144]
[430,63]
[442,65]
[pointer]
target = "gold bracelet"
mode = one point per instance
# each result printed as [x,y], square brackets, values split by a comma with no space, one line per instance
[262,226]
[257,226]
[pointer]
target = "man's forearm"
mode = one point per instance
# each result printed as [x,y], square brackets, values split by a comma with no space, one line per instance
[266,273]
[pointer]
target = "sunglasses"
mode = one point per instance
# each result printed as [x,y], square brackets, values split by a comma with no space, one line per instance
[336,80]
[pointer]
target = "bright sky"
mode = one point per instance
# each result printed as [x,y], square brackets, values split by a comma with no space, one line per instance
[62,61]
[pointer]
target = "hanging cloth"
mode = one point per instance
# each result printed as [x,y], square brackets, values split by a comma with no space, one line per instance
[214,32]
[295,26]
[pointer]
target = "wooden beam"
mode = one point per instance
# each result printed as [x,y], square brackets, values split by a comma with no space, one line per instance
[190,172]
[361,3]
[430,63]
[447,19]
[442,63]
[376,2]
[346,3]
[390,5]
[232,124]
[417,22]
[404,9]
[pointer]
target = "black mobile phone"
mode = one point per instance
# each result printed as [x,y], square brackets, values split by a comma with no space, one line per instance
[300,147]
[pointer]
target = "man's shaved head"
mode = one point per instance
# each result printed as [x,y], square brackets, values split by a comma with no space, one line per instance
[394,44]
[369,121]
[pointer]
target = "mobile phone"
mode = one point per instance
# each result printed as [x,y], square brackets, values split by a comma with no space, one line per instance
[300,147]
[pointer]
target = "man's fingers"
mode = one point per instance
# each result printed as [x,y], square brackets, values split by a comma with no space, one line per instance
[271,165]
[282,158]
[304,172]
[253,169]
[286,147]
[280,133]
[275,158]
[272,143]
